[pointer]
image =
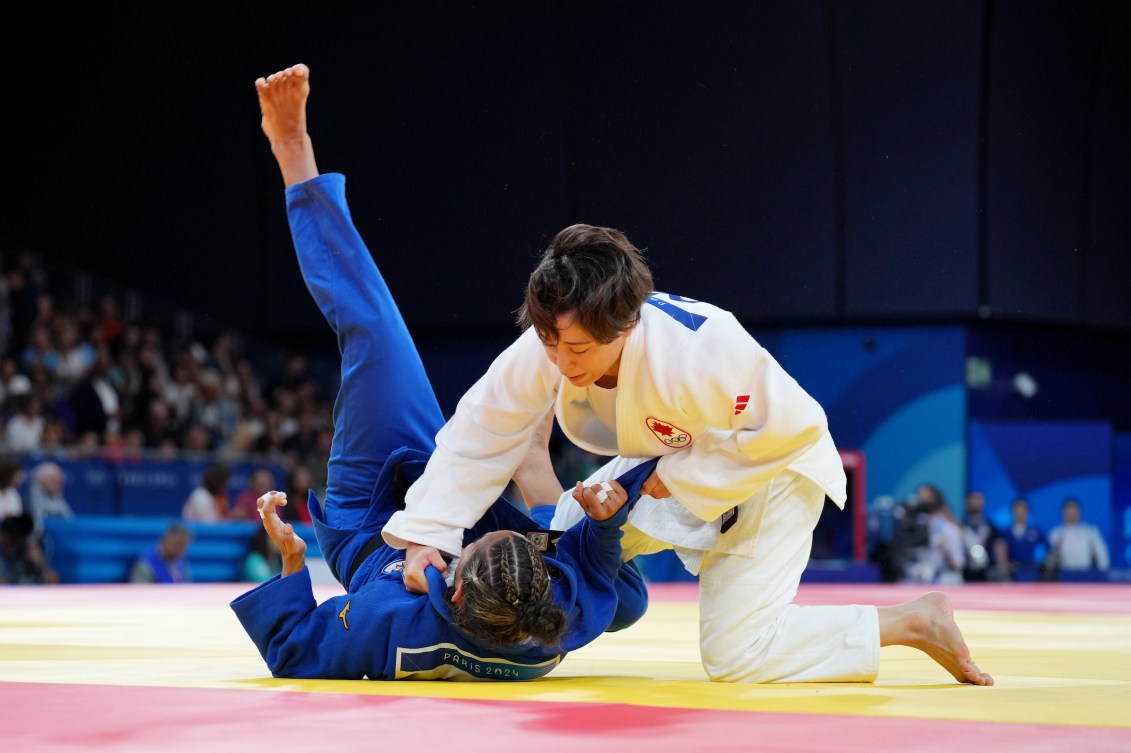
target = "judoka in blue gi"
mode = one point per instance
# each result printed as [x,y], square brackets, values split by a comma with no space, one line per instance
[506,610]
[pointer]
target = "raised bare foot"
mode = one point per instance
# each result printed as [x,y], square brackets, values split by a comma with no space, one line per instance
[282,101]
[928,624]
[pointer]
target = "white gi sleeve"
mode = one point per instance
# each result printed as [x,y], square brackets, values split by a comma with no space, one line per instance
[478,449]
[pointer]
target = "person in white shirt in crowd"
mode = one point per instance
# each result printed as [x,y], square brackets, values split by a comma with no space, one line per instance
[1075,544]
[208,502]
[46,500]
[24,430]
[943,557]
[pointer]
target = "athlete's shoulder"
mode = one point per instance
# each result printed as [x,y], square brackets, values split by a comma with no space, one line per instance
[698,320]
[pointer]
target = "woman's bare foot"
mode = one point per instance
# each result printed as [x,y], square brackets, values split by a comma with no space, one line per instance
[282,101]
[927,623]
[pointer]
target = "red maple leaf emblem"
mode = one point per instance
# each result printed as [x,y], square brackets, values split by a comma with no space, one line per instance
[670,434]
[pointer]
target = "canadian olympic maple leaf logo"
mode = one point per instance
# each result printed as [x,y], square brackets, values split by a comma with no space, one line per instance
[668,433]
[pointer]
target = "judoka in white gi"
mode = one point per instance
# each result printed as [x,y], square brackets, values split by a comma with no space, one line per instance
[746,463]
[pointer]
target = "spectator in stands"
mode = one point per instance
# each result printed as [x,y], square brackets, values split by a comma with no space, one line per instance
[942,556]
[95,402]
[221,357]
[320,460]
[76,355]
[110,324]
[24,430]
[21,558]
[40,351]
[213,410]
[1075,545]
[54,437]
[286,405]
[11,476]
[1024,545]
[160,427]
[299,482]
[244,383]
[45,499]
[16,390]
[304,441]
[195,439]
[980,536]
[8,370]
[180,391]
[263,559]
[128,380]
[208,502]
[270,440]
[166,562]
[292,375]
[245,507]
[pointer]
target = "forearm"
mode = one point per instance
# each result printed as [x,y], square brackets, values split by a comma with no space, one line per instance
[479,450]
[538,482]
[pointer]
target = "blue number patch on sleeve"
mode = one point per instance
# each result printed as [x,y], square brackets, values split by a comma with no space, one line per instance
[692,321]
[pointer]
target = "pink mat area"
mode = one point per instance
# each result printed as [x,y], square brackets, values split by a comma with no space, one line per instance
[1088,598]
[44,717]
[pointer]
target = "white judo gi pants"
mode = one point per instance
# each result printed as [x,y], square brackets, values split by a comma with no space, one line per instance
[749,628]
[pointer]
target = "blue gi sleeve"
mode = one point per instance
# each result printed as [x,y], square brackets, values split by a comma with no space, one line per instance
[591,550]
[345,638]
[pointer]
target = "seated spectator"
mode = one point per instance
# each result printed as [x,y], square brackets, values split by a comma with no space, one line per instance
[263,559]
[21,559]
[1024,547]
[110,324]
[166,561]
[46,500]
[24,431]
[196,440]
[40,351]
[11,476]
[245,507]
[95,402]
[213,410]
[299,481]
[942,557]
[76,355]
[1075,545]
[208,502]
[160,427]
[980,536]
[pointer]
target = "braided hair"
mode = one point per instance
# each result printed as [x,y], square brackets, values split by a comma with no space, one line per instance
[508,595]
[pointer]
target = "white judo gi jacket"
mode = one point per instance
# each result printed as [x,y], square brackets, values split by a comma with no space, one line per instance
[693,387]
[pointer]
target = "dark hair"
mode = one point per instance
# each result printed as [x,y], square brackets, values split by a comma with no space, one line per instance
[215,478]
[10,467]
[508,595]
[593,272]
[933,500]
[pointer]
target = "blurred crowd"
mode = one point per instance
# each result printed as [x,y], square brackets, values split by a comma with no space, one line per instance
[83,380]
[921,540]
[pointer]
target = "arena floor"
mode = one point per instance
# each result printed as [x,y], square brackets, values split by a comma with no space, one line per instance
[168,668]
